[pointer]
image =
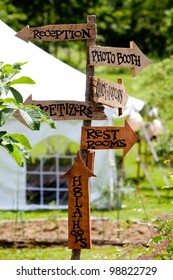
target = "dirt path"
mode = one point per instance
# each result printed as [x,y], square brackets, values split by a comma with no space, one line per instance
[55,232]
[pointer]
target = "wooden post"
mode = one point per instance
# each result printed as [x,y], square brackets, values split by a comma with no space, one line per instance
[89,73]
[138,166]
[120,111]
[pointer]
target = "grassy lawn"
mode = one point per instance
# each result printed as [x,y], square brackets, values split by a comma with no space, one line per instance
[58,253]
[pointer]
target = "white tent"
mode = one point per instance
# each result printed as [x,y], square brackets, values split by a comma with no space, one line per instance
[55,80]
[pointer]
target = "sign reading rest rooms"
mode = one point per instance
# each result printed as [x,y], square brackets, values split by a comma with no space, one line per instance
[108,137]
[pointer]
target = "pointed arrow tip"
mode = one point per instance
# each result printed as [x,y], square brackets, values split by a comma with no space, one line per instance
[28,100]
[23,34]
[80,166]
[132,138]
[144,61]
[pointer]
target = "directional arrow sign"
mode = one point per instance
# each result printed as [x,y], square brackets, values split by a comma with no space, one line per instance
[79,228]
[56,32]
[67,110]
[108,93]
[108,137]
[119,57]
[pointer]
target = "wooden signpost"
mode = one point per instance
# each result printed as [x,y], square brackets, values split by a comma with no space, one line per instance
[79,228]
[119,57]
[108,93]
[57,32]
[98,92]
[108,137]
[67,110]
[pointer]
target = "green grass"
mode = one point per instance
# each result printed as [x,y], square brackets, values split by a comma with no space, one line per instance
[135,206]
[24,215]
[58,253]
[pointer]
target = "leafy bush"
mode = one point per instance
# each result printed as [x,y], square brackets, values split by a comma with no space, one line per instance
[161,246]
[17,145]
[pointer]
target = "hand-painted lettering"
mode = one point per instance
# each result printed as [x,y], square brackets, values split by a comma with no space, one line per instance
[62,34]
[114,57]
[77,203]
[102,138]
[109,92]
[128,58]
[68,109]
[76,179]
[76,224]
[77,214]
[95,133]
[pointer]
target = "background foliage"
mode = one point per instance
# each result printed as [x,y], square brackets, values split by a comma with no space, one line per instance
[148,23]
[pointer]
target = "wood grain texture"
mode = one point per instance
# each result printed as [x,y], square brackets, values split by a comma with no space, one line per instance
[79,228]
[62,32]
[108,93]
[119,57]
[108,137]
[67,110]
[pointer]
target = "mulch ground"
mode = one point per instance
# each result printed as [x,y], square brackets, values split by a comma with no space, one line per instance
[55,233]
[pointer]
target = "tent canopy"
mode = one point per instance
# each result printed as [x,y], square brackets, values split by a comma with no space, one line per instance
[54,79]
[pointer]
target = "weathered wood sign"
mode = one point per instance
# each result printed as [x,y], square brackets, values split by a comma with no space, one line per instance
[108,137]
[67,110]
[119,57]
[108,93]
[79,228]
[56,32]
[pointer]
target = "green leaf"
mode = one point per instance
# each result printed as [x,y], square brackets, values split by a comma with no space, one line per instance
[156,239]
[10,101]
[22,80]
[171,245]
[49,121]
[31,119]
[18,97]
[20,139]
[9,71]
[46,118]
[18,65]
[15,153]
[5,114]
[4,90]
[2,133]
[17,145]
[33,116]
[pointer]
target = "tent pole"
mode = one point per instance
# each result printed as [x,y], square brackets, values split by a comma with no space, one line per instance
[138,166]
[155,155]
[89,72]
